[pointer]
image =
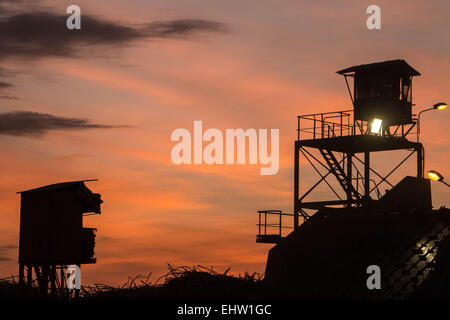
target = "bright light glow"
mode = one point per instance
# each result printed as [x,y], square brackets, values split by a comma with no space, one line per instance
[440,106]
[376,126]
[434,175]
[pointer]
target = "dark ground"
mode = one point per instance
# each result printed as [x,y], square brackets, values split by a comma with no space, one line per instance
[200,283]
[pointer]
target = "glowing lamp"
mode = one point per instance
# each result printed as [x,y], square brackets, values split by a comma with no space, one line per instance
[434,175]
[440,106]
[375,128]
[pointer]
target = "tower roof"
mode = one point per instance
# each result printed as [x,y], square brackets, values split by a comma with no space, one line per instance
[400,65]
[56,186]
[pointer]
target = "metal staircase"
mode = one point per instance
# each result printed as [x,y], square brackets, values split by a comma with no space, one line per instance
[338,172]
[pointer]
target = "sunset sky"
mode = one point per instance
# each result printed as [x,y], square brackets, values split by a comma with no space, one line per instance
[140,69]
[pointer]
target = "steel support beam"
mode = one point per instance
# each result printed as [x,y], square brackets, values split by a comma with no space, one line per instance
[296,182]
[420,160]
[349,178]
[366,174]
[21,274]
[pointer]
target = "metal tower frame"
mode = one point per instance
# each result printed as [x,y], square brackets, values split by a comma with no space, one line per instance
[46,279]
[340,140]
[333,133]
[382,91]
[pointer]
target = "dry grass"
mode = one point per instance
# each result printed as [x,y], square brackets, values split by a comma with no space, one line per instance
[183,282]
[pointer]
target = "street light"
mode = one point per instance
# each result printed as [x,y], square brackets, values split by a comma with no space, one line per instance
[437,106]
[440,106]
[436,176]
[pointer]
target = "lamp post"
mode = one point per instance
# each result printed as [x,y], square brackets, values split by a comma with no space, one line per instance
[436,176]
[437,106]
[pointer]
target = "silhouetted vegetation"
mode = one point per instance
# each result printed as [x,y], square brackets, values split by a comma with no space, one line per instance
[199,283]
[184,282]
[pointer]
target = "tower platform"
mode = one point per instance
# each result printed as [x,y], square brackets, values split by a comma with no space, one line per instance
[359,143]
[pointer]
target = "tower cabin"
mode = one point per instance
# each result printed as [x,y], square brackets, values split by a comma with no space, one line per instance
[382,90]
[51,230]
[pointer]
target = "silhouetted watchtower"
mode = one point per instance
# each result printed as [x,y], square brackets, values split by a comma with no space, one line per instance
[52,235]
[382,90]
[344,225]
[332,142]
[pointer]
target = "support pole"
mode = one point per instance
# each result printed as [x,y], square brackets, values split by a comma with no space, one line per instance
[280,224]
[63,277]
[63,284]
[52,275]
[420,161]
[296,182]
[29,275]
[44,279]
[38,276]
[259,223]
[349,178]
[21,274]
[366,174]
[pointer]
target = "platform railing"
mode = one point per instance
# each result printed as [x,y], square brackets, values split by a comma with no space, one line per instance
[326,125]
[341,123]
[270,231]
